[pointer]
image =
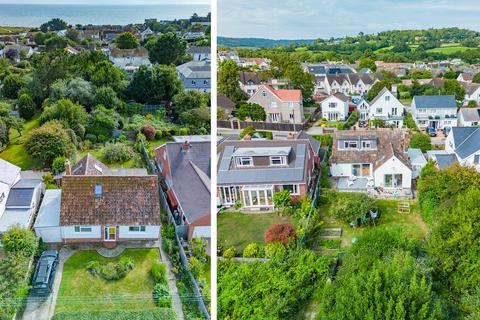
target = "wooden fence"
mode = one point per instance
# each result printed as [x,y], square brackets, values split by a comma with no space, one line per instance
[259,125]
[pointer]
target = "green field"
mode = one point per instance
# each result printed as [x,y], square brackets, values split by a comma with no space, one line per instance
[239,229]
[79,290]
[449,49]
[15,152]
[12,30]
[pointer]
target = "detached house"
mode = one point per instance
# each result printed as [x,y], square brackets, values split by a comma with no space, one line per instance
[465,77]
[129,59]
[335,107]
[250,172]
[281,105]
[386,107]
[101,209]
[464,144]
[249,82]
[434,111]
[371,160]
[185,170]
[472,92]
[195,75]
[469,117]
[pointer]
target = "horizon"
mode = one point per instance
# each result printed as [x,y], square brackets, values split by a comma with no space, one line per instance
[313,19]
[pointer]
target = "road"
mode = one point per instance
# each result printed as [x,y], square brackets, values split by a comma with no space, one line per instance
[43,308]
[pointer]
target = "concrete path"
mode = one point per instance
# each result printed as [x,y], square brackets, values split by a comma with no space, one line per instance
[172,283]
[43,308]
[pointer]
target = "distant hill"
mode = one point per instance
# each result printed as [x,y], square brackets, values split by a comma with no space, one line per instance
[258,42]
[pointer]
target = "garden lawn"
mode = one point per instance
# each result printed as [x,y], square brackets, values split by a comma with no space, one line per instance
[449,49]
[411,223]
[236,229]
[79,290]
[15,152]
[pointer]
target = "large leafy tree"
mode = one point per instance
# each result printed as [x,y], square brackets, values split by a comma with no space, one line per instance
[453,87]
[127,40]
[107,97]
[64,110]
[301,79]
[102,122]
[49,141]
[228,81]
[253,111]
[104,73]
[189,100]
[166,49]
[55,24]
[367,62]
[7,122]
[421,141]
[11,85]
[377,87]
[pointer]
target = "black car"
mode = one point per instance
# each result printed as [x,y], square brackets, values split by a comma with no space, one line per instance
[44,275]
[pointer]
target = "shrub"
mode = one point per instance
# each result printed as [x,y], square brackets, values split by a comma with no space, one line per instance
[183,131]
[280,232]
[91,137]
[117,153]
[94,268]
[127,263]
[112,270]
[158,134]
[252,250]
[351,206]
[58,165]
[159,272]
[19,240]
[229,253]
[421,141]
[26,106]
[273,250]
[282,199]
[149,132]
[250,130]
[161,295]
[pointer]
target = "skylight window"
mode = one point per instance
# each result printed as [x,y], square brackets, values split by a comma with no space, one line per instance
[98,190]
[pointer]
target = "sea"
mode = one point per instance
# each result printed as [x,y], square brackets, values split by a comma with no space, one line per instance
[33,15]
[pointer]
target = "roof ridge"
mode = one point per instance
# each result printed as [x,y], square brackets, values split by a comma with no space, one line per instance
[202,175]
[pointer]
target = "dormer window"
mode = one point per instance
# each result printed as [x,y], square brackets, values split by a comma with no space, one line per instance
[98,191]
[278,161]
[366,144]
[244,161]
[350,144]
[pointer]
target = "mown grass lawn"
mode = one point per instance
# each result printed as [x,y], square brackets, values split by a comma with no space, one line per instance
[79,290]
[237,229]
[16,153]
[411,223]
[449,49]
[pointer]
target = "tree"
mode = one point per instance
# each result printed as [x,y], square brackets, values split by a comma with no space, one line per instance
[377,87]
[57,42]
[73,34]
[280,232]
[117,153]
[80,91]
[476,78]
[350,206]
[8,122]
[108,98]
[368,63]
[55,24]
[66,111]
[49,142]
[228,81]
[392,289]
[11,85]
[453,87]
[104,73]
[253,111]
[20,240]
[166,49]
[198,120]
[421,141]
[26,106]
[189,100]
[301,79]
[126,40]
[58,165]
[102,122]
[154,85]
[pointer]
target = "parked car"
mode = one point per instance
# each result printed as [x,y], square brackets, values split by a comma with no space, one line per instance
[42,282]
[432,132]
[446,130]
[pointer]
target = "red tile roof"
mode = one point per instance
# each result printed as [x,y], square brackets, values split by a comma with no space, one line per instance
[286,94]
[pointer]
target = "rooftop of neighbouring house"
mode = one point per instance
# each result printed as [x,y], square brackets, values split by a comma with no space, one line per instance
[467,140]
[434,102]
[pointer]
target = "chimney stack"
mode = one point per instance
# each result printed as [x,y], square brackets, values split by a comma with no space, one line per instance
[185,146]
[68,168]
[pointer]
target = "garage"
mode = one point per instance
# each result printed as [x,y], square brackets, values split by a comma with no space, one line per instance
[47,224]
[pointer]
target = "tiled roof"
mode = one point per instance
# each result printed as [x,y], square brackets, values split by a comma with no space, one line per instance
[286,94]
[224,102]
[89,166]
[467,140]
[249,76]
[124,201]
[435,102]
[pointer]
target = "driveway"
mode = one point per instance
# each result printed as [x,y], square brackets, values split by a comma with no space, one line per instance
[43,308]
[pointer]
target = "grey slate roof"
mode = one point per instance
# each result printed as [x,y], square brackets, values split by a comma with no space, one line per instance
[467,140]
[295,172]
[190,175]
[470,114]
[195,69]
[445,160]
[313,142]
[8,172]
[416,156]
[435,102]
[195,49]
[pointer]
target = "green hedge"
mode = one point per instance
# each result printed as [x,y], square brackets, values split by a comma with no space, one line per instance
[152,314]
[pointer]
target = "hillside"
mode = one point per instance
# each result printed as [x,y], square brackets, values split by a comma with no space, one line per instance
[258,42]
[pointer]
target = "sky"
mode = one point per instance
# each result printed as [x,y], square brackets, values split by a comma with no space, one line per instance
[311,19]
[107,2]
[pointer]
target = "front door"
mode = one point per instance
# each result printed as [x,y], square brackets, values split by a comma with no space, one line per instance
[110,233]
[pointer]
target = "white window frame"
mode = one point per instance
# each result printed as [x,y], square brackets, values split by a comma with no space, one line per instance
[387,98]
[422,110]
[135,229]
[366,144]
[275,117]
[282,159]
[79,229]
[239,161]
[348,144]
[476,159]
[295,189]
[379,110]
[332,105]
[273,104]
